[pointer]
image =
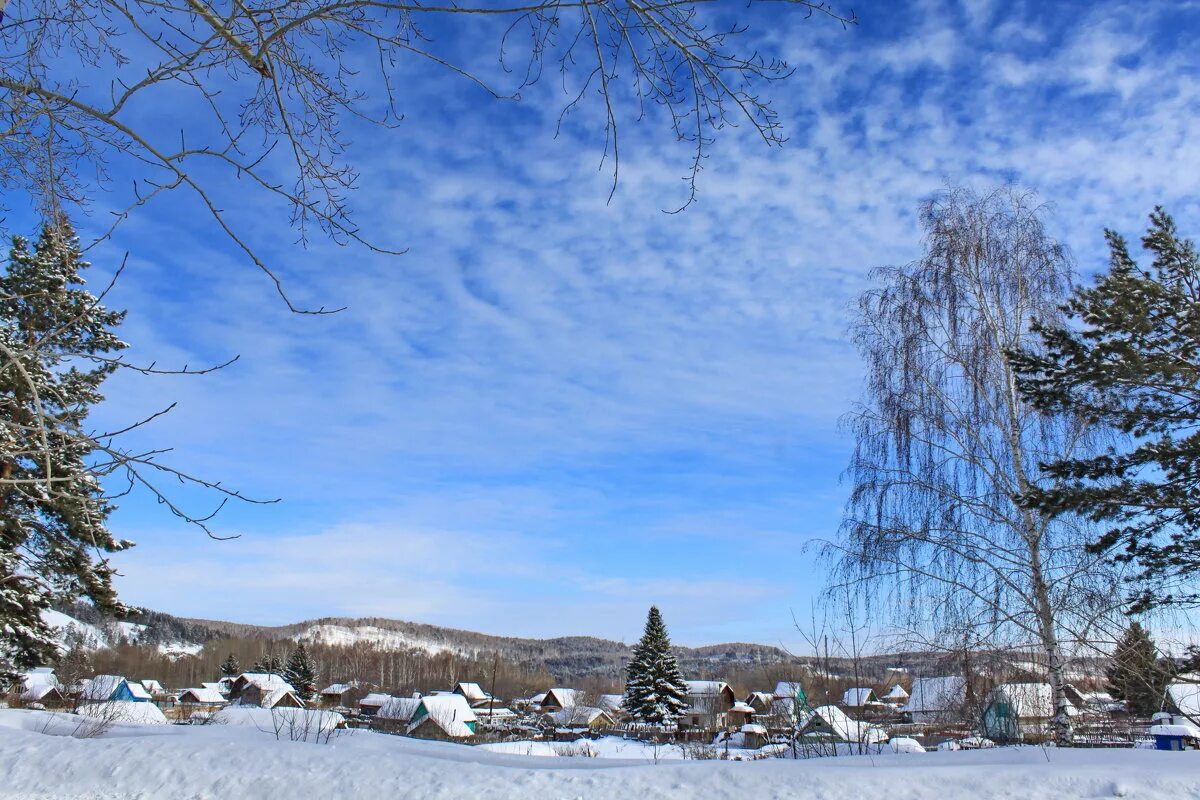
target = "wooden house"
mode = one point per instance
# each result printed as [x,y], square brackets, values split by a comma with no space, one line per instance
[1016,711]
[265,690]
[557,699]
[582,718]
[708,704]
[446,717]
[831,723]
[475,695]
[858,698]
[206,696]
[937,700]
[41,686]
[113,687]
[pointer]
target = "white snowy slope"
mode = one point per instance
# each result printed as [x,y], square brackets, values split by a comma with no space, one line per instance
[90,636]
[216,761]
[346,636]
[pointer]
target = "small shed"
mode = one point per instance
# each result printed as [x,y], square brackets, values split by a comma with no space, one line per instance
[1175,736]
[208,696]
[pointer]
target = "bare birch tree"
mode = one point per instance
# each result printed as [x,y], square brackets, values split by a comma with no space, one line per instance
[945,446]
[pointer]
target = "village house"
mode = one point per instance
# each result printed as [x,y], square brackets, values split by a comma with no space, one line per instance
[207,695]
[708,704]
[265,690]
[557,699]
[395,714]
[1016,711]
[446,717]
[937,700]
[896,696]
[370,703]
[155,688]
[859,697]
[582,718]
[613,705]
[103,688]
[832,724]
[474,694]
[1183,700]
[341,695]
[40,685]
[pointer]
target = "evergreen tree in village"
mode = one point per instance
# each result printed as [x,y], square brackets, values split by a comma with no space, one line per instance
[654,688]
[55,337]
[231,666]
[301,672]
[1138,675]
[269,664]
[1128,358]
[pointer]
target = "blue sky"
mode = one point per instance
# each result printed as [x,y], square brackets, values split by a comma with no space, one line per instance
[554,411]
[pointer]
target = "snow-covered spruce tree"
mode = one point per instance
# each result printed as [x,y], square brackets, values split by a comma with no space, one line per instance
[270,664]
[231,666]
[1139,675]
[1128,357]
[654,687]
[53,534]
[301,672]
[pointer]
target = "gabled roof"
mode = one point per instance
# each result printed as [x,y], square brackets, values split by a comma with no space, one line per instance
[561,696]
[763,698]
[858,696]
[937,694]
[102,687]
[336,688]
[138,691]
[153,687]
[472,691]
[264,680]
[897,692]
[202,694]
[613,703]
[399,708]
[702,688]
[790,689]
[375,699]
[36,692]
[451,712]
[1185,697]
[847,729]
[580,716]
[272,697]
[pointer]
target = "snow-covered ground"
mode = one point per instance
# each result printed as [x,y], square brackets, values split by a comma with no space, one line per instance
[42,762]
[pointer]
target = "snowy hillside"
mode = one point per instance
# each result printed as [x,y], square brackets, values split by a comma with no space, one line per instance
[163,761]
[92,637]
[382,638]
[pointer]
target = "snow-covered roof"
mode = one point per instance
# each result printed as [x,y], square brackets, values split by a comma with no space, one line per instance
[743,708]
[451,712]
[472,691]
[217,686]
[494,713]
[124,712]
[701,688]
[208,694]
[937,694]
[102,687]
[897,692]
[848,729]
[375,699]
[791,689]
[766,698]
[37,691]
[153,687]
[564,697]
[265,680]
[1190,731]
[612,702]
[754,727]
[858,696]
[273,697]
[336,688]
[138,691]
[401,708]
[579,716]
[1185,697]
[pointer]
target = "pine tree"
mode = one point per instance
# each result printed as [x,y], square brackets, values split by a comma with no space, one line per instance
[230,666]
[654,687]
[1128,357]
[269,664]
[301,672]
[54,340]
[1138,675]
